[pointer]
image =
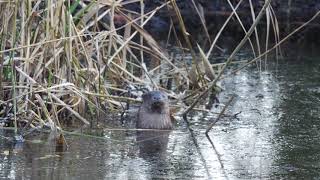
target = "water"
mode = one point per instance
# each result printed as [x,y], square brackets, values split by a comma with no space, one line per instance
[275,136]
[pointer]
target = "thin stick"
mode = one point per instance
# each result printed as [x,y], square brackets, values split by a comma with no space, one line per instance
[220,115]
[278,44]
[246,37]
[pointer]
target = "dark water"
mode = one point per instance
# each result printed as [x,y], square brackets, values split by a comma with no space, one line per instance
[276,136]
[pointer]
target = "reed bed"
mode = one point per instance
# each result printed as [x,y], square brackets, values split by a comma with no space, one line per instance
[61,59]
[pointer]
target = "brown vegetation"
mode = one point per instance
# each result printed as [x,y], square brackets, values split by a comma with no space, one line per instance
[56,61]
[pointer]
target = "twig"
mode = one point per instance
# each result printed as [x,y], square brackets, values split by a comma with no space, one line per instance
[276,45]
[218,155]
[246,37]
[219,116]
[195,142]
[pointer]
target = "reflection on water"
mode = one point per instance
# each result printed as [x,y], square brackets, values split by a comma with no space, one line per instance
[276,135]
[152,143]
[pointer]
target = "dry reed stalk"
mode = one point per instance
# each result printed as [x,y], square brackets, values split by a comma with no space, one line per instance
[256,31]
[223,27]
[68,60]
[240,22]
[229,60]
[279,43]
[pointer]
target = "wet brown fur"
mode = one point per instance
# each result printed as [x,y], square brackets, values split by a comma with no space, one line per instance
[154,113]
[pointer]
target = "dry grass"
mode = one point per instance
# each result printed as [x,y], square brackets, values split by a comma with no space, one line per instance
[56,61]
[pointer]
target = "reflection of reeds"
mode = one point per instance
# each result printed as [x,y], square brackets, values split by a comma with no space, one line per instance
[58,60]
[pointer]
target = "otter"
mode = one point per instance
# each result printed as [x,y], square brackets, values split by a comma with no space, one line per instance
[154,113]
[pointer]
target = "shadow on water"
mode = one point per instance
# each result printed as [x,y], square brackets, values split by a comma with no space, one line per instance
[275,136]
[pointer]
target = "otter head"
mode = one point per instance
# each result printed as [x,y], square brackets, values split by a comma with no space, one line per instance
[155,102]
[154,113]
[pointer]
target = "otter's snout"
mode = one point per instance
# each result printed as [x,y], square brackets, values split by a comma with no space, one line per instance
[155,100]
[157,104]
[158,100]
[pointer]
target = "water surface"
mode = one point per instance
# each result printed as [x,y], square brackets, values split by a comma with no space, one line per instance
[275,136]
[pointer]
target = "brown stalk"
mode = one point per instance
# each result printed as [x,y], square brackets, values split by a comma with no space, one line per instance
[229,60]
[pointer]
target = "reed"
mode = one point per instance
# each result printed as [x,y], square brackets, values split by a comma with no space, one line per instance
[68,58]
